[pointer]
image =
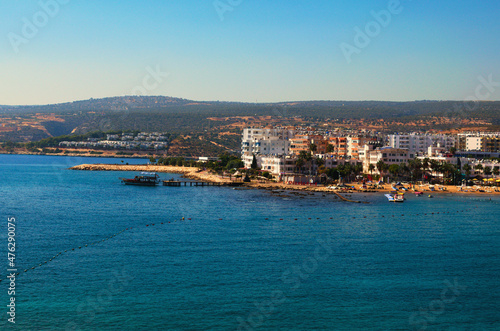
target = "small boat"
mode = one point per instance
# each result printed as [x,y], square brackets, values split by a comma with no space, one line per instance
[399,198]
[145,179]
[419,193]
[395,197]
[430,196]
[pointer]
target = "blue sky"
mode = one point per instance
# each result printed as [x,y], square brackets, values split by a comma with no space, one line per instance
[265,52]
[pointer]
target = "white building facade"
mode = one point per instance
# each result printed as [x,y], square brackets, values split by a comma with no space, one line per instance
[419,143]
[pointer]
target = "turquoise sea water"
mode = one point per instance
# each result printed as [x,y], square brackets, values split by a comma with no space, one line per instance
[241,259]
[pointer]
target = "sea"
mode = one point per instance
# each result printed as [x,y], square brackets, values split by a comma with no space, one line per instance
[93,254]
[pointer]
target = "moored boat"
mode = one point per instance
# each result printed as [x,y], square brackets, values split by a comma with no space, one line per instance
[395,197]
[145,179]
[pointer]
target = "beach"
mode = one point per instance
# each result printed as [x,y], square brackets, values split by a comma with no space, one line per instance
[204,175]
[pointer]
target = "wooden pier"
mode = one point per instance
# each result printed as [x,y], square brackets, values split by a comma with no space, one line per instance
[178,183]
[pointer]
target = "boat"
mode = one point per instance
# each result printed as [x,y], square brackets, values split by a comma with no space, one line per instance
[419,193]
[145,179]
[395,197]
[399,198]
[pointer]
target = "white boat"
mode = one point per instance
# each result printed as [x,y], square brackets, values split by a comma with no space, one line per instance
[395,197]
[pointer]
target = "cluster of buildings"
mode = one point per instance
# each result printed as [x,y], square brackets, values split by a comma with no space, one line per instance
[277,149]
[128,141]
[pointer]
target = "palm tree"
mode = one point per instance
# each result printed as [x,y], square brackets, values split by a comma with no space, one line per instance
[496,170]
[478,167]
[313,148]
[319,162]
[381,166]
[467,168]
[415,167]
[371,167]
[394,170]
[487,170]
[447,169]
[358,169]
[299,163]
[425,163]
[305,156]
[404,169]
[425,167]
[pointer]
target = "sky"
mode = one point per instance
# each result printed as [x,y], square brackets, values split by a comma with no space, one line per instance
[55,51]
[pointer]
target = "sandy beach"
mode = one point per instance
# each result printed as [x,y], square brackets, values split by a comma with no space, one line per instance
[203,175]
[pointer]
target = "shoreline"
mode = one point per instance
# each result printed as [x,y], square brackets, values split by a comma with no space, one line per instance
[114,156]
[203,175]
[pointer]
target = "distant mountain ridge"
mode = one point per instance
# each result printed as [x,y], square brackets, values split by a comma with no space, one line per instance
[489,111]
[103,104]
[158,102]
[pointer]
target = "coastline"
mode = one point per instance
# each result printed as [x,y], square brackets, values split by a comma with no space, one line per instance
[105,154]
[203,175]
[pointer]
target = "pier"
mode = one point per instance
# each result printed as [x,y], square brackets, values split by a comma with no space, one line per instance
[178,183]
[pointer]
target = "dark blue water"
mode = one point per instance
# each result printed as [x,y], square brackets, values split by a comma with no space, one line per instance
[240,259]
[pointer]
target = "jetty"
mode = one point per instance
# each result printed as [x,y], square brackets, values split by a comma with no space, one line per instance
[179,183]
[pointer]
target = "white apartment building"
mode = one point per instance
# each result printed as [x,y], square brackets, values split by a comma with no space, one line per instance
[473,143]
[266,141]
[419,143]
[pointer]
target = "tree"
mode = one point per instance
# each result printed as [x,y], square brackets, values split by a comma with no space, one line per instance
[247,178]
[152,160]
[235,163]
[371,167]
[254,163]
[319,161]
[415,168]
[394,169]
[453,150]
[330,148]
[299,163]
[435,166]
[381,166]
[358,169]
[478,167]
[305,156]
[333,173]
[467,168]
[425,163]
[496,170]
[487,170]
[313,148]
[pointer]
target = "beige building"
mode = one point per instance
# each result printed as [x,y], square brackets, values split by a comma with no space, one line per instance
[388,155]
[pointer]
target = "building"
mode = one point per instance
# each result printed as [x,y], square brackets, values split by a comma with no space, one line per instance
[388,155]
[339,147]
[355,144]
[266,141]
[417,143]
[481,141]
